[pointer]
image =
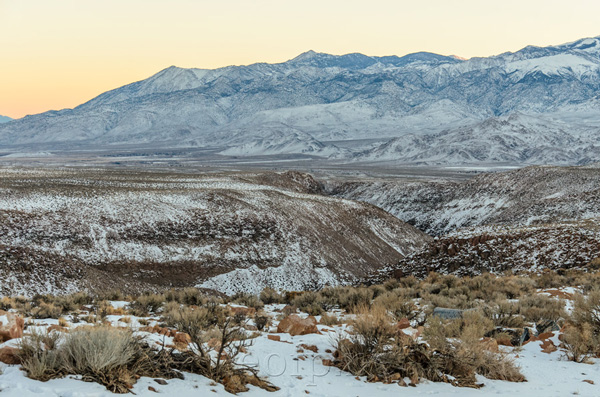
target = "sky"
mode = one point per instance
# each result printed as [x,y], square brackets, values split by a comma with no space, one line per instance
[57,54]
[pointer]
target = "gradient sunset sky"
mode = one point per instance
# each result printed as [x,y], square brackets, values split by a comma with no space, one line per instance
[60,53]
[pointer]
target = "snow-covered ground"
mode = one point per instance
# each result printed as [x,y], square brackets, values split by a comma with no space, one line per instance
[298,371]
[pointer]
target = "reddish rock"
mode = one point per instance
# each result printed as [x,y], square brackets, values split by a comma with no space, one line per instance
[182,339]
[294,325]
[11,326]
[504,341]
[10,355]
[490,344]
[246,311]
[548,346]
[591,382]
[403,323]
[542,336]
[58,328]
[312,348]
[276,338]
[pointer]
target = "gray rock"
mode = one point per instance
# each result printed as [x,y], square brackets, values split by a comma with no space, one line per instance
[447,314]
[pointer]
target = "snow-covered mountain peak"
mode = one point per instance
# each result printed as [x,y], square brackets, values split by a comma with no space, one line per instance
[304,104]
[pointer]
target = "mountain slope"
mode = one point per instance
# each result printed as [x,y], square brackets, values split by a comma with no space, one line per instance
[70,229]
[348,97]
[514,139]
[4,119]
[501,249]
[531,195]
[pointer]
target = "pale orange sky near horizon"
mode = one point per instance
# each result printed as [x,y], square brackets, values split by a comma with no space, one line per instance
[58,54]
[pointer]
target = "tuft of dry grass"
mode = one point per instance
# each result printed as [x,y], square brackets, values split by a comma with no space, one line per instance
[329,319]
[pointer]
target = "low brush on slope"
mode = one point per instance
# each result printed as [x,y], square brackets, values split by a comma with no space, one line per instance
[229,232]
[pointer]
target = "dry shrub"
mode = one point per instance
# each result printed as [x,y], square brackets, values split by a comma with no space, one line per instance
[146,304]
[104,308]
[505,314]
[443,300]
[46,310]
[311,302]
[582,335]
[460,340]
[248,300]
[550,279]
[329,319]
[536,308]
[269,296]
[216,341]
[355,299]
[391,284]
[110,295]
[397,305]
[187,296]
[586,309]
[379,351]
[112,357]
[580,342]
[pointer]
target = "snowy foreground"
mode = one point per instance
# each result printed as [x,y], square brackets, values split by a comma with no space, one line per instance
[298,371]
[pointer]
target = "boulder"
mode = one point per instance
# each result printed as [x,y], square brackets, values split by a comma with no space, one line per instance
[447,314]
[546,326]
[11,326]
[10,355]
[403,323]
[490,344]
[295,325]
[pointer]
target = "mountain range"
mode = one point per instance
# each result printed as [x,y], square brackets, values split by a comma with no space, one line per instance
[534,106]
[4,119]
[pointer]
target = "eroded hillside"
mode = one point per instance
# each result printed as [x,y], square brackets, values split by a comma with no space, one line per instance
[64,229]
[532,195]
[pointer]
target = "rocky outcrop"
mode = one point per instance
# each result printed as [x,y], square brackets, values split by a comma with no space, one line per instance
[295,325]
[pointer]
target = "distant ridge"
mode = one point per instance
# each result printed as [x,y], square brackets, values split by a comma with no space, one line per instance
[534,106]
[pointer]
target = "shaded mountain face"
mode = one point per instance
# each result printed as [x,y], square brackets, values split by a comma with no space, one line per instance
[67,230]
[4,119]
[422,108]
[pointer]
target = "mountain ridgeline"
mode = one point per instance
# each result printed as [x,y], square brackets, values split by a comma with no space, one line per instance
[537,105]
